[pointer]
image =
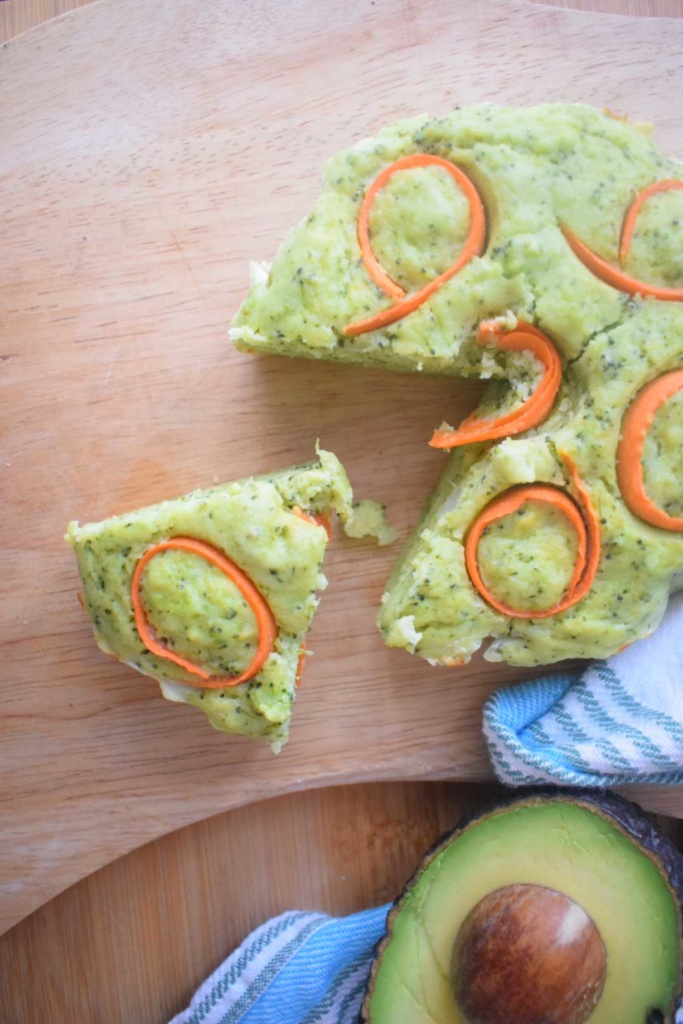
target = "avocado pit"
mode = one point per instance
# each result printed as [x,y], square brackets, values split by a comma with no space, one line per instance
[527,954]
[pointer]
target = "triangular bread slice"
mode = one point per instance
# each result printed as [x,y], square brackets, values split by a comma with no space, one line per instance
[142,585]
[535,169]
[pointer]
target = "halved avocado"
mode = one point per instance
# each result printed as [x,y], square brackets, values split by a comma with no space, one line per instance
[552,907]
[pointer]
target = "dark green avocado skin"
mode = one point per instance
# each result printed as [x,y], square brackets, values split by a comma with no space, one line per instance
[631,818]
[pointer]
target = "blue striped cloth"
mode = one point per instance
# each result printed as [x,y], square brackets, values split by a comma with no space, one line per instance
[298,968]
[616,722]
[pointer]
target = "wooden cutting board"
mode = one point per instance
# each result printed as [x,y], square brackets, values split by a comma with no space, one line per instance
[147,152]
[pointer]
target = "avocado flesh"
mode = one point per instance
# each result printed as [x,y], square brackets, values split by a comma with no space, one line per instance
[563,846]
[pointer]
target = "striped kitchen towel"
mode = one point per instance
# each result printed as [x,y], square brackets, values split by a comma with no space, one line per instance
[615,722]
[298,968]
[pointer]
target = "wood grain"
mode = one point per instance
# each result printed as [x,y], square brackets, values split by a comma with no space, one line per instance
[146,930]
[632,8]
[17,16]
[136,187]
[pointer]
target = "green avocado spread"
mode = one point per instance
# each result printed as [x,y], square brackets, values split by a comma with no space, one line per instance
[537,171]
[198,612]
[527,558]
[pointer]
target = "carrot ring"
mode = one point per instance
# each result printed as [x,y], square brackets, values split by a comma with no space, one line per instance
[634,211]
[634,429]
[474,243]
[580,513]
[316,518]
[615,276]
[264,617]
[504,505]
[532,412]
[300,664]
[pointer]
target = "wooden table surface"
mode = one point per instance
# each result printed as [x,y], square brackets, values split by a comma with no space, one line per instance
[132,941]
[17,16]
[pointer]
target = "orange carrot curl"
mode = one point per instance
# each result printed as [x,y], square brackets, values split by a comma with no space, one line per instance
[532,412]
[264,617]
[474,244]
[615,276]
[580,513]
[316,518]
[634,430]
[300,663]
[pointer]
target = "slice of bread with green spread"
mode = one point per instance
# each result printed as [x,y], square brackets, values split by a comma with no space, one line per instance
[219,586]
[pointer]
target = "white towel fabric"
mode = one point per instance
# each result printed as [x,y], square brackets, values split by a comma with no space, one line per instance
[615,722]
